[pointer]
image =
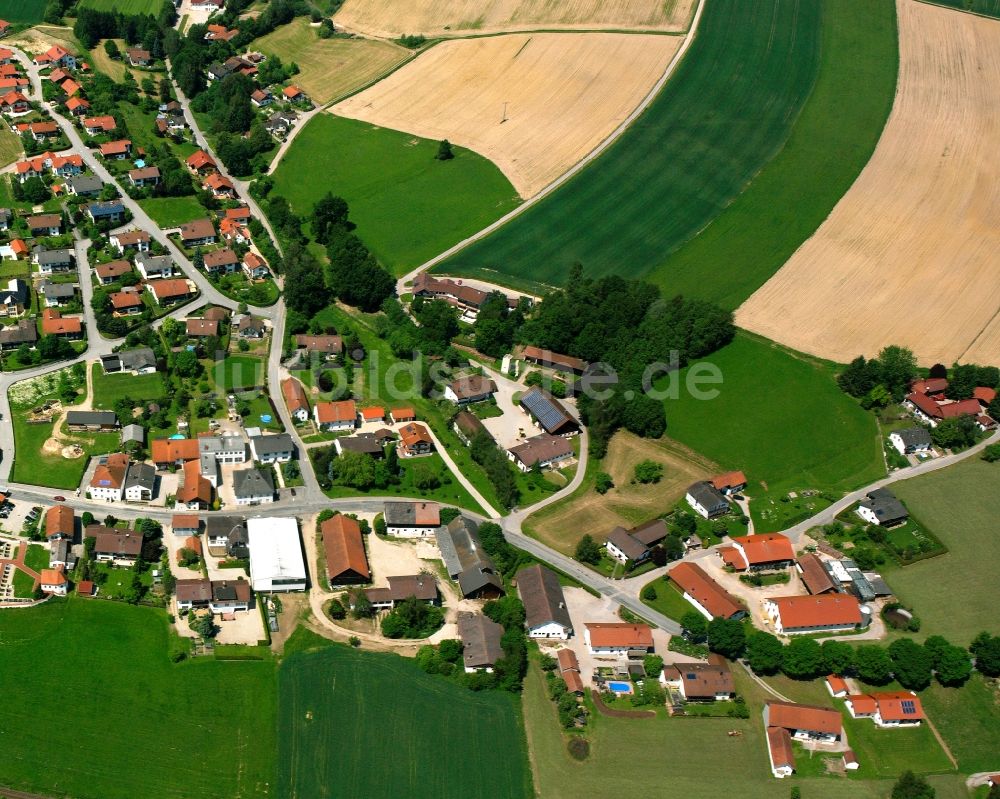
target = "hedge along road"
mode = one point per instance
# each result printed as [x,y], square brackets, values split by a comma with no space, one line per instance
[727,110]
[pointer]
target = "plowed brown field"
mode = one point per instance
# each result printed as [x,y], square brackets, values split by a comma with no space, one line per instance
[432,18]
[534,104]
[910,254]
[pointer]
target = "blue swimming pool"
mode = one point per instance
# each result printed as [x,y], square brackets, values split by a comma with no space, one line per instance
[620,687]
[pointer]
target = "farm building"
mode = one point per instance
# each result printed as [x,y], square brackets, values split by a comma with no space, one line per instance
[617,638]
[276,561]
[344,547]
[480,641]
[708,597]
[759,552]
[546,614]
[412,519]
[467,561]
[548,413]
[812,614]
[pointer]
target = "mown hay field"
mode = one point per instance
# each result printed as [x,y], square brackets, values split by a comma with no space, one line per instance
[908,255]
[92,694]
[127,7]
[408,206]
[355,723]
[330,68]
[433,18]
[725,112]
[534,104]
[25,11]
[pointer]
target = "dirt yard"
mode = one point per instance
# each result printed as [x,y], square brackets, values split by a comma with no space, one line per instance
[627,504]
[908,256]
[533,104]
[434,18]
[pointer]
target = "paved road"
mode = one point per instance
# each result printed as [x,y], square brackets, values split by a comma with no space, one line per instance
[582,163]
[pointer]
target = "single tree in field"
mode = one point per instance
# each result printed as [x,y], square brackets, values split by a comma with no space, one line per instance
[910,786]
[588,550]
[444,152]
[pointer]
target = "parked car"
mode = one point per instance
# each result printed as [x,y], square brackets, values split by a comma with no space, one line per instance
[58,498]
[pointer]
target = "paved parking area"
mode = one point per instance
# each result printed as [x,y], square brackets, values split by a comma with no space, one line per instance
[245,627]
[174,543]
[14,523]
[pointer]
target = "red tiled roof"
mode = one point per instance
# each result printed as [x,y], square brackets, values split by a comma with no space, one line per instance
[344,547]
[295,395]
[779,744]
[374,414]
[105,123]
[342,411]
[694,581]
[932,385]
[54,324]
[413,433]
[620,634]
[890,705]
[184,521]
[291,91]
[567,660]
[167,289]
[114,269]
[731,557]
[403,414]
[766,548]
[837,684]
[59,521]
[804,717]
[169,450]
[120,147]
[195,487]
[122,300]
[729,480]
[985,395]
[52,577]
[200,159]
[824,610]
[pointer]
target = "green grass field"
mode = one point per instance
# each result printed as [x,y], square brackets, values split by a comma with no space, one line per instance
[887,753]
[31,465]
[127,7]
[713,133]
[238,371]
[355,723]
[26,11]
[669,601]
[779,417]
[108,389]
[132,724]
[988,8]
[960,506]
[169,212]
[969,720]
[407,205]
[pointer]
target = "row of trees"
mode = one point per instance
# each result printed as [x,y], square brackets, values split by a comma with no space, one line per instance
[144,30]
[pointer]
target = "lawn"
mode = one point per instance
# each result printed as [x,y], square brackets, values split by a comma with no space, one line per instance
[669,600]
[112,659]
[683,758]
[126,7]
[330,68]
[789,425]
[171,212]
[26,11]
[959,505]
[37,557]
[969,720]
[740,158]
[10,147]
[108,389]
[355,723]
[238,372]
[407,205]
[988,8]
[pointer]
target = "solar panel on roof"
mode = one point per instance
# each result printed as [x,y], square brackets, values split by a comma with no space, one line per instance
[547,414]
[909,707]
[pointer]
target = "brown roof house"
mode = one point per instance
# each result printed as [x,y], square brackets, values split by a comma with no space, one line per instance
[474,388]
[701,682]
[545,611]
[420,586]
[480,641]
[344,547]
[635,545]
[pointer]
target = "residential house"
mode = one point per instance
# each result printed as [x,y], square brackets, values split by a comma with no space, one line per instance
[220,32]
[701,682]
[13,336]
[62,555]
[51,261]
[464,297]
[635,545]
[415,439]
[294,94]
[14,104]
[77,106]
[761,552]
[278,448]
[227,536]
[144,176]
[790,615]
[344,547]
[280,123]
[126,303]
[403,415]
[419,586]
[814,575]
[137,57]
[706,500]
[185,524]
[201,328]
[325,346]
[255,267]
[617,638]
[121,547]
[222,261]
[193,593]
[45,224]
[836,686]
[222,188]
[805,722]
[333,416]
[544,451]
[276,561]
[910,440]
[15,298]
[467,561]
[53,581]
[70,87]
[545,611]
[55,56]
[4,30]
[166,292]
[40,131]
[117,477]
[261,98]
[730,483]
[197,233]
[84,185]
[229,596]
[467,426]
[95,126]
[55,324]
[253,487]
[474,388]
[412,519]
[880,506]
[167,452]
[251,327]
[111,211]
[130,240]
[554,360]
[194,490]
[234,232]
[91,421]
[548,413]
[295,399]
[64,165]
[6,217]
[373,413]
[480,638]
[365,444]
[888,709]
[116,150]
[708,597]
[59,523]
[153,267]
[139,361]
[201,163]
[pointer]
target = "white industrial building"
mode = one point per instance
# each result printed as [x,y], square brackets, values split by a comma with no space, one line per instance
[276,562]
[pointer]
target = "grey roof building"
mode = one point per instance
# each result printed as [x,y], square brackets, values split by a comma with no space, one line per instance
[24,332]
[883,508]
[106,210]
[480,640]
[140,475]
[914,439]
[133,433]
[51,259]
[251,484]
[271,447]
[466,560]
[84,185]
[365,443]
[138,360]
[15,293]
[102,419]
[58,292]
[708,498]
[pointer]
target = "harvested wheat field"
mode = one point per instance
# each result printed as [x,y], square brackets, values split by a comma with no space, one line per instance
[909,254]
[434,18]
[330,68]
[561,525]
[563,95]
